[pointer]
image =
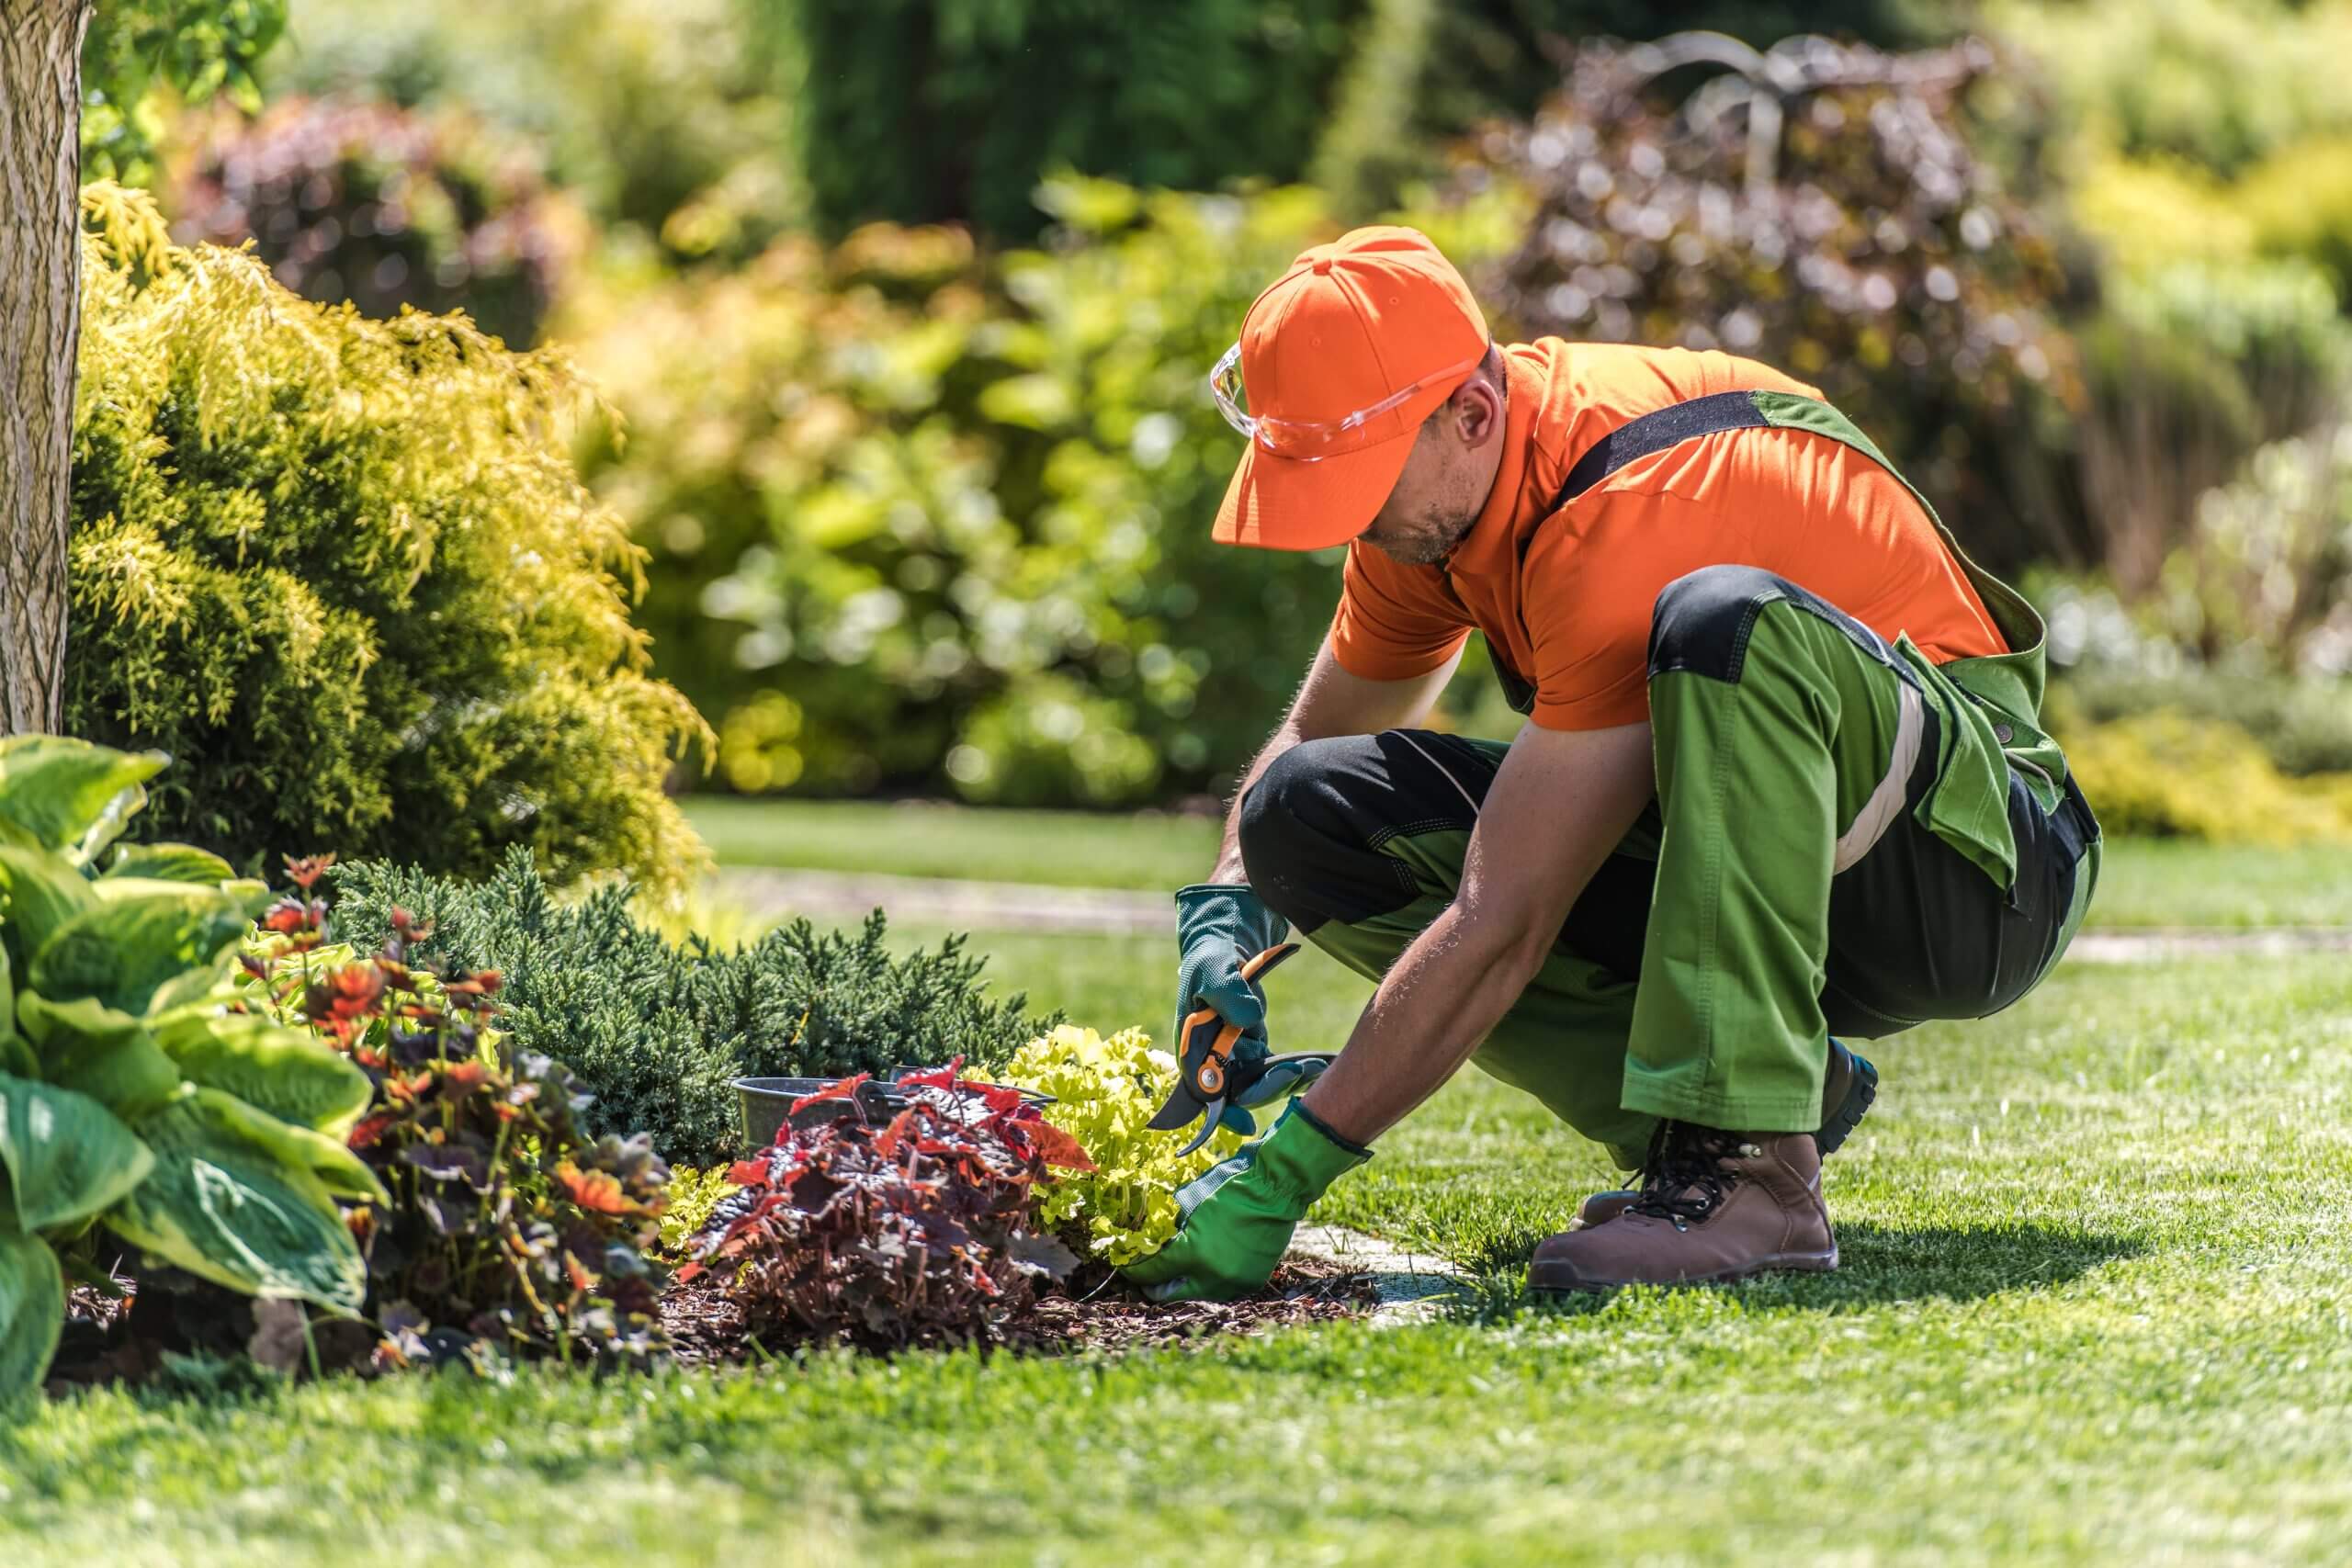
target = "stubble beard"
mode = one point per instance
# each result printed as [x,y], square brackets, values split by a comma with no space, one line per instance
[1432,542]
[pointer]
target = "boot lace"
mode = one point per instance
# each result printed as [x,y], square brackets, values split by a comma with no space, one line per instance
[1683,1178]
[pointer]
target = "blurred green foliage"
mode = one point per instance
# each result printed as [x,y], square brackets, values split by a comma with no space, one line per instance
[139,56]
[345,572]
[920,517]
[939,110]
[2187,368]
[359,199]
[660,117]
[2214,83]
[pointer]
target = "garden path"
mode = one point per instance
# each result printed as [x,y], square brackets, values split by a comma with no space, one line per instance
[837,895]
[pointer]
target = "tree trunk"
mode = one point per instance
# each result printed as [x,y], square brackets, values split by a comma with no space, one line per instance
[40,321]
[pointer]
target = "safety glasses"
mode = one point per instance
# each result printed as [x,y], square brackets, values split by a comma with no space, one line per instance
[1308,440]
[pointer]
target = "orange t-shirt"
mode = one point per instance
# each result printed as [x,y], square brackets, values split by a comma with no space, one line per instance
[1571,614]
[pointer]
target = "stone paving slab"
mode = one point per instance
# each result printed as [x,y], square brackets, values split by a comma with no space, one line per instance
[1407,1285]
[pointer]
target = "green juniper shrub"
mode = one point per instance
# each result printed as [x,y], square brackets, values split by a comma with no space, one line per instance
[505,1225]
[657,1032]
[345,571]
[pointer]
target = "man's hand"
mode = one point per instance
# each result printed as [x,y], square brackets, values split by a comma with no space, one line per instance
[1239,1216]
[1220,926]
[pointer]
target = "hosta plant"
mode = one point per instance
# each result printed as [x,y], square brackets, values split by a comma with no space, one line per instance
[1104,1091]
[506,1225]
[131,1095]
[921,1231]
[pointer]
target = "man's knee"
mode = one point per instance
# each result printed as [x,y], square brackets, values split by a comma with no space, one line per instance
[1702,620]
[1287,817]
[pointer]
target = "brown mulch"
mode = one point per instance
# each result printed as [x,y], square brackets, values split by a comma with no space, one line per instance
[1096,1312]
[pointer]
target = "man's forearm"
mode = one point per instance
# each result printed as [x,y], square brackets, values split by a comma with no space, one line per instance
[1442,996]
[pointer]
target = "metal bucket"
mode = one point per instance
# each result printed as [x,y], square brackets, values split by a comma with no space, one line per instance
[765,1104]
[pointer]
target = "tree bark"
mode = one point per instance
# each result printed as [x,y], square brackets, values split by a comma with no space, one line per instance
[40,321]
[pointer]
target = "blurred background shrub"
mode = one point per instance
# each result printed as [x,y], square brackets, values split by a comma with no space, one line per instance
[346,573]
[659,118]
[904,109]
[360,199]
[925,518]
[1817,207]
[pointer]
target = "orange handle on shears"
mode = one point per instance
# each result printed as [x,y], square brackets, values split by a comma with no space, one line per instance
[1208,1074]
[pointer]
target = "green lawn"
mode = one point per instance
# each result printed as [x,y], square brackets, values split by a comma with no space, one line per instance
[2096,1308]
[1069,849]
[2175,881]
[2146,882]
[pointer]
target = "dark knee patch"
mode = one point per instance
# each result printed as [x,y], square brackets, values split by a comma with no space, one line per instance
[1312,826]
[1702,619]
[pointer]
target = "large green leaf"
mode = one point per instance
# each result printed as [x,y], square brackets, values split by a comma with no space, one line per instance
[99,1051]
[169,863]
[32,1312]
[330,1159]
[289,1073]
[231,1208]
[66,1155]
[39,892]
[70,795]
[122,950]
[16,1056]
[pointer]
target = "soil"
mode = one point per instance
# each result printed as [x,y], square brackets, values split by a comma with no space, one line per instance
[1095,1312]
[122,1340]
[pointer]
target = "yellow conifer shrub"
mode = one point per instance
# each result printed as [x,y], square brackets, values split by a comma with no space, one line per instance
[345,572]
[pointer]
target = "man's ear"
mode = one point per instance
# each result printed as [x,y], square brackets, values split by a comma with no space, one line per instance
[1477,413]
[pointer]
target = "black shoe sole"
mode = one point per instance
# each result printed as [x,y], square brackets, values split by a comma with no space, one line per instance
[1852,1110]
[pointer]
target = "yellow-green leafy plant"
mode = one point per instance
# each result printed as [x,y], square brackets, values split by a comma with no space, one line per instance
[2167,775]
[693,1193]
[345,572]
[1104,1090]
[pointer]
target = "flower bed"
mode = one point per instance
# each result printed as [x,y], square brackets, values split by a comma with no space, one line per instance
[469,1213]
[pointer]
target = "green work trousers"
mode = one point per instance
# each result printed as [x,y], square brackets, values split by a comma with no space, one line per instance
[1787,884]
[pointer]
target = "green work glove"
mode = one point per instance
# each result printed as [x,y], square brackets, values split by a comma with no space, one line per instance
[1219,926]
[1239,1215]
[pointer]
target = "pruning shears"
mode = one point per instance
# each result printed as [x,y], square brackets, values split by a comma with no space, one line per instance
[1207,1077]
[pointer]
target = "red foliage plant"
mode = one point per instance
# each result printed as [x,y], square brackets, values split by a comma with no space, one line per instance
[921,1231]
[509,1227]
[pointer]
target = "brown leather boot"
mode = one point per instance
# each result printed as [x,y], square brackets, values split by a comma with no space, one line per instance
[1715,1206]
[1848,1086]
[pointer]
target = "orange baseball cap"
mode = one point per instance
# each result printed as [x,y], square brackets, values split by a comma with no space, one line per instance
[1341,358]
